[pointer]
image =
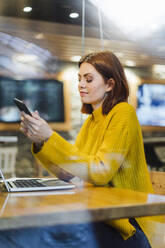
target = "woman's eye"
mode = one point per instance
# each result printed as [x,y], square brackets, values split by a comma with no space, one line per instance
[89,80]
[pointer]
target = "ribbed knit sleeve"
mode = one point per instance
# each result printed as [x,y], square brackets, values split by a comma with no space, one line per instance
[59,152]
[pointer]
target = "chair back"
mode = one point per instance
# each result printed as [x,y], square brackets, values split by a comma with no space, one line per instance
[8,159]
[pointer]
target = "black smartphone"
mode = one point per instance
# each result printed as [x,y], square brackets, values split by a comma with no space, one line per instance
[22,107]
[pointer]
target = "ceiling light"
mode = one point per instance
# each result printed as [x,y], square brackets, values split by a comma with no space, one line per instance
[130,63]
[27,9]
[75,58]
[74,15]
[39,36]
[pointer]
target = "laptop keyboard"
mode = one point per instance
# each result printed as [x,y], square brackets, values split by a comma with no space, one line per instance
[28,183]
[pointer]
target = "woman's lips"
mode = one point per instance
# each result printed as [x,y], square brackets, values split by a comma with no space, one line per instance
[83,93]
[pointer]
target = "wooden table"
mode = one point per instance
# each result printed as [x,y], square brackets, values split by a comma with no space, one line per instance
[76,206]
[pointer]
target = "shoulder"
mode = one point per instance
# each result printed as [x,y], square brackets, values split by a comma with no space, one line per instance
[123,110]
[123,114]
[123,106]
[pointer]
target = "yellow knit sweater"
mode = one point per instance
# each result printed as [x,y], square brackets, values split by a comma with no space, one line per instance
[108,148]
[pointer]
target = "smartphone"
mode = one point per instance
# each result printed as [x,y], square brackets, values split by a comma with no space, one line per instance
[22,107]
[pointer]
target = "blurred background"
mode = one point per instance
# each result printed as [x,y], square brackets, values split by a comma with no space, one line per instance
[41,42]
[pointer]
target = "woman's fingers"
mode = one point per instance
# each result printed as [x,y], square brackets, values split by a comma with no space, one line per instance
[32,126]
[26,127]
[36,115]
[37,127]
[31,122]
[23,129]
[22,125]
[33,130]
[28,118]
[30,134]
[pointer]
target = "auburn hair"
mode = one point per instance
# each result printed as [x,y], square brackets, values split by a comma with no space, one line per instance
[109,66]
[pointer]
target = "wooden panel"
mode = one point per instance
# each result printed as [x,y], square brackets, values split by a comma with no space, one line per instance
[158,182]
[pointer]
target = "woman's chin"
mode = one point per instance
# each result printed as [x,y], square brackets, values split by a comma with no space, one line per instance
[83,100]
[86,102]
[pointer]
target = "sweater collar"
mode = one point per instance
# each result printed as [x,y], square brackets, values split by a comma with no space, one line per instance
[97,114]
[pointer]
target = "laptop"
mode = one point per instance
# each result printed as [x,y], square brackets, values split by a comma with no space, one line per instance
[34,184]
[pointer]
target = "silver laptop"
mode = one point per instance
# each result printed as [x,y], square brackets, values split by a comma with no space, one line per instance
[34,184]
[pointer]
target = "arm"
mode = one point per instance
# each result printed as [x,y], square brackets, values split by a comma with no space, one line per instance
[101,167]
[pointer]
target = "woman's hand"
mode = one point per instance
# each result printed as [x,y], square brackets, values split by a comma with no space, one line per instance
[35,128]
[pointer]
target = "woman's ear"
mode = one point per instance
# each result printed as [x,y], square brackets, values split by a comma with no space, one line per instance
[110,84]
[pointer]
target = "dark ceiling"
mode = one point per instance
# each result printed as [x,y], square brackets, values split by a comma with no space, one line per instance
[50,10]
[58,11]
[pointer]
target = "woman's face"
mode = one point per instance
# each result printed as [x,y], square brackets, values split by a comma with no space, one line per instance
[92,87]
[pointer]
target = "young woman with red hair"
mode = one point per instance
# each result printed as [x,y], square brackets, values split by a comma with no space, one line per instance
[108,151]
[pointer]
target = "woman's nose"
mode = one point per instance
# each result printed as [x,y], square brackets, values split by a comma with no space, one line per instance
[81,84]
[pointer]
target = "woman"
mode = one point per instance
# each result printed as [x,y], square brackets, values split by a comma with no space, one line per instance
[108,149]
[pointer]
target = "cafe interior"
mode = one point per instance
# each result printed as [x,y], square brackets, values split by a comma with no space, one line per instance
[41,42]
